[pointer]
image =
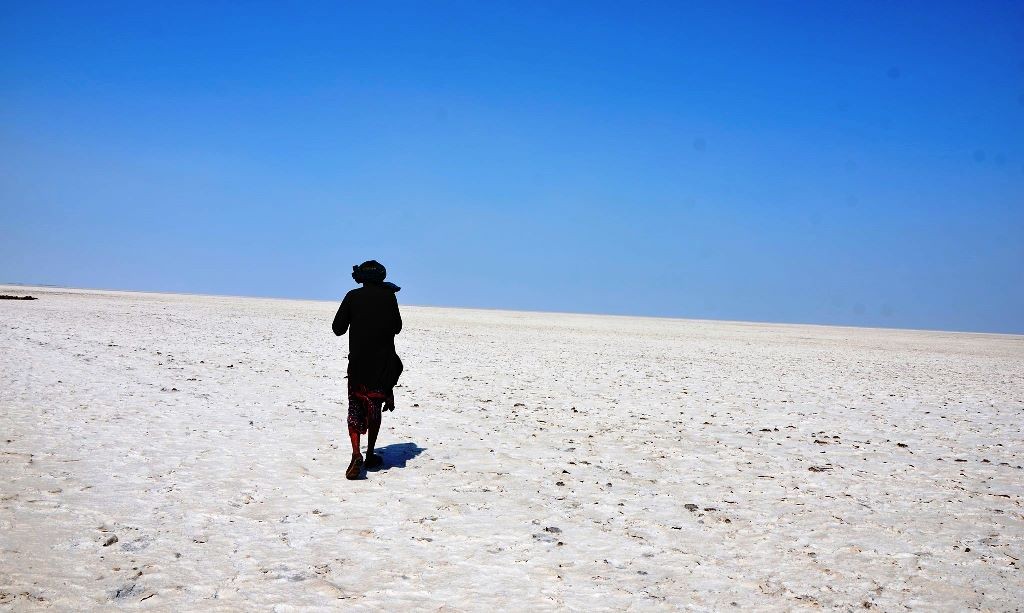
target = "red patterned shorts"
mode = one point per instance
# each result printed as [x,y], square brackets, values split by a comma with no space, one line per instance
[364,404]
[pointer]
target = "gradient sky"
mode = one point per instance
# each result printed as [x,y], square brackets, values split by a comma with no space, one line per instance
[850,163]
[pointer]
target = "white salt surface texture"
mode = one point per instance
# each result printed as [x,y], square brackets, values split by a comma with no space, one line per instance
[173,453]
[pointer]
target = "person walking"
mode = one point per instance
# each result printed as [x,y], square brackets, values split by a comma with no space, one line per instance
[371,317]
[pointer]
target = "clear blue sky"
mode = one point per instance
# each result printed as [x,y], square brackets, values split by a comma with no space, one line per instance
[851,163]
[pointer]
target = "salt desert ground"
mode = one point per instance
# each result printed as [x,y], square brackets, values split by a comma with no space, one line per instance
[174,452]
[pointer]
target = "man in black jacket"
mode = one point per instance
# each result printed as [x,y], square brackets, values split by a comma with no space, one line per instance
[371,311]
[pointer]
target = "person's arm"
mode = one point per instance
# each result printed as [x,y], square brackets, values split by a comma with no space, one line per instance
[342,318]
[398,315]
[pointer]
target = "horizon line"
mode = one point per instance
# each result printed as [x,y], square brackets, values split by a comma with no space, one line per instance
[542,312]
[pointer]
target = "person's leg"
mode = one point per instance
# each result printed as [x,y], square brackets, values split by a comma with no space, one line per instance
[373,428]
[353,435]
[356,418]
[355,467]
[371,437]
[356,413]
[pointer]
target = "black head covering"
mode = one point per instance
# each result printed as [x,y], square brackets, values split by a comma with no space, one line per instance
[370,271]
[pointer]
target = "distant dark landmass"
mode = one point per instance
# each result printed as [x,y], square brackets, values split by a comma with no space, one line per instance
[6,297]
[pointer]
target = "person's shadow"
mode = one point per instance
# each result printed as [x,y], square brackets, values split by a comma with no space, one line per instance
[396,455]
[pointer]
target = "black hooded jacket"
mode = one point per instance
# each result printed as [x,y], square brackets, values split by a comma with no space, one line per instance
[372,314]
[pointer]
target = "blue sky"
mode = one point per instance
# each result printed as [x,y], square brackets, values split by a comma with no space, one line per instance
[849,163]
